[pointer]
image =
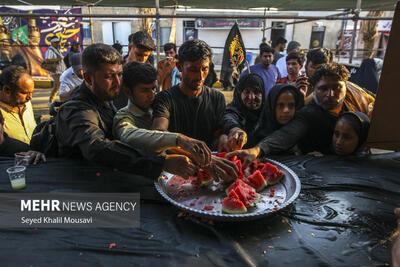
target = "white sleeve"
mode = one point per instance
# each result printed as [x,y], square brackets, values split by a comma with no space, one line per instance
[64,88]
[50,54]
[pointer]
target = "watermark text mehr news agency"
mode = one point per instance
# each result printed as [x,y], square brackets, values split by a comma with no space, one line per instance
[56,205]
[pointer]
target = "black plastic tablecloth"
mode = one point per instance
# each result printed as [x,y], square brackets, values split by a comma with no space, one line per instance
[343,217]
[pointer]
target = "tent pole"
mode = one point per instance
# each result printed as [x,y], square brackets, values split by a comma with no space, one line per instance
[157,31]
[91,24]
[353,39]
[265,22]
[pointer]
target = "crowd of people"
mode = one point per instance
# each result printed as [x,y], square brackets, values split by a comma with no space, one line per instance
[110,113]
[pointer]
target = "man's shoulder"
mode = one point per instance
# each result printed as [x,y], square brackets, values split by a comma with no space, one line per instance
[66,74]
[273,68]
[311,111]
[256,66]
[213,92]
[123,113]
[171,92]
[279,61]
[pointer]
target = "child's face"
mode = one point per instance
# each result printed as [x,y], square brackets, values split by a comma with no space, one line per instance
[285,108]
[345,138]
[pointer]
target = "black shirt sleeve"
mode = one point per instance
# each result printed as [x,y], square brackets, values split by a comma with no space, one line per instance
[162,105]
[10,146]
[286,137]
[219,110]
[230,119]
[80,127]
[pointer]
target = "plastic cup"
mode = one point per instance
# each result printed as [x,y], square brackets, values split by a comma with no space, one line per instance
[17,177]
[21,159]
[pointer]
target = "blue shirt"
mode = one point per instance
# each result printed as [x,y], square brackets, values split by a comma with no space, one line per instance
[269,75]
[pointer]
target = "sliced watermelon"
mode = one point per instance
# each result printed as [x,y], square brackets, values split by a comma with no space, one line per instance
[237,183]
[260,166]
[222,155]
[247,196]
[239,165]
[256,180]
[254,166]
[232,204]
[203,177]
[271,174]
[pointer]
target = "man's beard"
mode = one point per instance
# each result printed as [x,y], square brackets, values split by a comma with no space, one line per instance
[102,94]
[321,105]
[194,86]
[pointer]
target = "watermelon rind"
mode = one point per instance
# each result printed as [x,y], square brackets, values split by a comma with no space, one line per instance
[242,190]
[276,181]
[201,174]
[250,182]
[270,173]
[234,200]
[235,211]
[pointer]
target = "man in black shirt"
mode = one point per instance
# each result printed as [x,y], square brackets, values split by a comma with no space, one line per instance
[84,123]
[191,108]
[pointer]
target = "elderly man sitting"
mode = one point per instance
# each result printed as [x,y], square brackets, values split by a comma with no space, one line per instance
[15,103]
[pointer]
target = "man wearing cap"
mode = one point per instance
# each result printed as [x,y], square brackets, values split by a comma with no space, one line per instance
[71,78]
[54,56]
[75,48]
[141,45]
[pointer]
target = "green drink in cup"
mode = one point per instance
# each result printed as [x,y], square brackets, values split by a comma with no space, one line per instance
[17,177]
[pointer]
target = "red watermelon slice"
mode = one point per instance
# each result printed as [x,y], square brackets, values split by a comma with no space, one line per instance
[256,180]
[260,166]
[222,155]
[237,183]
[247,196]
[271,174]
[239,165]
[254,166]
[232,204]
[203,177]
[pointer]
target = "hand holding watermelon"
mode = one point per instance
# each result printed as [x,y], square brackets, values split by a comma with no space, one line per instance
[180,165]
[222,169]
[237,138]
[223,145]
[200,152]
[247,156]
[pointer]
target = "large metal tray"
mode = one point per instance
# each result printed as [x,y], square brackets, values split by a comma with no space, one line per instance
[193,201]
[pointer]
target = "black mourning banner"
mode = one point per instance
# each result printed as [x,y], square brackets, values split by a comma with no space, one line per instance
[234,59]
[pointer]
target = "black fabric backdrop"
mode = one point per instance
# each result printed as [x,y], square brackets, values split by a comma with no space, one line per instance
[343,217]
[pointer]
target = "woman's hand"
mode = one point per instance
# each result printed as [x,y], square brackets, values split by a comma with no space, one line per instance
[237,138]
[246,155]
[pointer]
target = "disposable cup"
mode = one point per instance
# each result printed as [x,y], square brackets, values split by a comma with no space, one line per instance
[17,177]
[21,159]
